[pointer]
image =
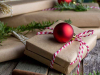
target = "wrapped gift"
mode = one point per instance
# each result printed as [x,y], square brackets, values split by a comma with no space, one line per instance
[88,18]
[12,48]
[43,47]
[17,7]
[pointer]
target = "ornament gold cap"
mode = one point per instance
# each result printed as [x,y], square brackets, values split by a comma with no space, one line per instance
[74,36]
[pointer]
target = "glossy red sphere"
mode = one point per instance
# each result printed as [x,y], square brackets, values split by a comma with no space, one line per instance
[68,1]
[63,32]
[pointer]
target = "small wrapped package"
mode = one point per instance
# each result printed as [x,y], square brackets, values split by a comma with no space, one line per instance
[17,7]
[43,47]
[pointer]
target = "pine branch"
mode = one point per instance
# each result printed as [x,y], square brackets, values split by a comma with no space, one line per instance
[71,6]
[6,31]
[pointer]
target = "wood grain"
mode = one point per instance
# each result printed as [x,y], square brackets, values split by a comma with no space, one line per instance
[92,61]
[29,64]
[6,68]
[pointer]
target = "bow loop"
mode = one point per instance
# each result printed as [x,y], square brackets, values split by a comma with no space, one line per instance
[85,32]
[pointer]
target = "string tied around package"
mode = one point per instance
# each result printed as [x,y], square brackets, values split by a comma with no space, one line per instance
[78,38]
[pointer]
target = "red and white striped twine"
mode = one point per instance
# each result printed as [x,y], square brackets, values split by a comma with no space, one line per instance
[50,9]
[77,38]
[93,7]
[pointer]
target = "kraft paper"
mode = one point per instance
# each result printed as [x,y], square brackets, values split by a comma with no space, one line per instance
[25,6]
[12,48]
[85,19]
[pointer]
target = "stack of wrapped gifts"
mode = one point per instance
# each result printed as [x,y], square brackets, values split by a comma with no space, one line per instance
[23,15]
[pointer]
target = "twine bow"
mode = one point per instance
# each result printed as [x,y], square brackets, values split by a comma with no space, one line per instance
[5,8]
[77,38]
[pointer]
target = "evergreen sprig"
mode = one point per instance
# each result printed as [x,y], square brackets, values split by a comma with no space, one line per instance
[6,31]
[71,6]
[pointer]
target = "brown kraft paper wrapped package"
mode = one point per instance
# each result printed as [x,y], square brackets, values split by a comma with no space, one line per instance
[25,6]
[12,48]
[85,19]
[42,48]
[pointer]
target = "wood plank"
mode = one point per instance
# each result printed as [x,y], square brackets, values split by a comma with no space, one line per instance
[22,72]
[92,61]
[6,68]
[30,65]
[54,72]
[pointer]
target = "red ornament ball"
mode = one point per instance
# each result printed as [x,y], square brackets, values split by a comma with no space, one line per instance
[68,1]
[63,32]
